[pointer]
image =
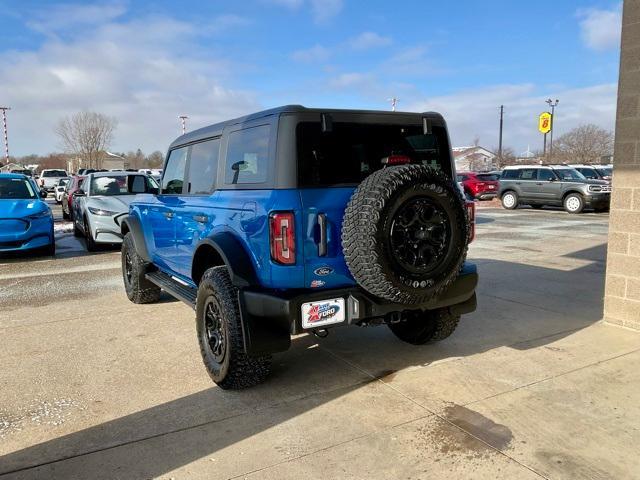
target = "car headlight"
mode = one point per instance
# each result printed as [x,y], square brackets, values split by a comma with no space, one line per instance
[42,214]
[595,188]
[101,212]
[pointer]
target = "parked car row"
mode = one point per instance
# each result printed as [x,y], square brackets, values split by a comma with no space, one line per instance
[26,221]
[96,203]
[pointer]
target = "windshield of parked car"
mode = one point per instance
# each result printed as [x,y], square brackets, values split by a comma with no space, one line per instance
[605,171]
[54,173]
[569,174]
[487,177]
[121,185]
[16,188]
[348,153]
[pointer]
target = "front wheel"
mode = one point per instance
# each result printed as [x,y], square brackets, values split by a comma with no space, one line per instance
[220,334]
[510,200]
[91,243]
[134,268]
[574,203]
[418,328]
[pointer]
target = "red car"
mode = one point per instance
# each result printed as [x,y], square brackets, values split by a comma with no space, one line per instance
[67,196]
[481,186]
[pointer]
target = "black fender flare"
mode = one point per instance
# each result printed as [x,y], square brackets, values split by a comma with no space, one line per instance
[262,334]
[132,224]
[234,256]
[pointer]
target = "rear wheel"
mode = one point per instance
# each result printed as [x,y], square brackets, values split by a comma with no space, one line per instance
[76,230]
[65,215]
[574,203]
[510,200]
[220,334]
[419,327]
[134,268]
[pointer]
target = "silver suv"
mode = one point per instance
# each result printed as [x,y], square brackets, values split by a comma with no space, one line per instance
[553,185]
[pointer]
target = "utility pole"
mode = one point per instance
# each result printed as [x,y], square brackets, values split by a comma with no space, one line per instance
[394,101]
[6,136]
[500,138]
[183,120]
[553,106]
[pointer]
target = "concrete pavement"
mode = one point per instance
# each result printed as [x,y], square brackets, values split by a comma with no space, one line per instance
[531,385]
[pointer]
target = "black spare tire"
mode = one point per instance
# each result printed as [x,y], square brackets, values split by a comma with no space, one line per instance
[405,233]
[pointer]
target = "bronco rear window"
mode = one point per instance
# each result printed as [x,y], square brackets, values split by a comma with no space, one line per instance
[351,151]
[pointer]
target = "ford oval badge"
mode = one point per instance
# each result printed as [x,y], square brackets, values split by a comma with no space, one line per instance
[322,271]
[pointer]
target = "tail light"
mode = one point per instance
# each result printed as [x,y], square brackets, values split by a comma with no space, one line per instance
[282,238]
[471,213]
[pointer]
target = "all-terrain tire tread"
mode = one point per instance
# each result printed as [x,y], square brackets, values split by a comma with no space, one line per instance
[141,290]
[244,371]
[362,219]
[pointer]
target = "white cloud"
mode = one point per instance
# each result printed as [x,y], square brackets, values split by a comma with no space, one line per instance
[351,80]
[474,113]
[62,16]
[600,29]
[317,53]
[145,73]
[321,10]
[368,40]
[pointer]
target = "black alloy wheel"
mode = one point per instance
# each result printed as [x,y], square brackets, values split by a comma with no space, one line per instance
[215,330]
[419,235]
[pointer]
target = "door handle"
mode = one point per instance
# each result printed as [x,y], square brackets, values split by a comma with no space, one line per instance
[322,246]
[200,218]
[168,215]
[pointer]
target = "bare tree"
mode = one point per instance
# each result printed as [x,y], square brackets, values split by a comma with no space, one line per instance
[155,159]
[87,135]
[508,158]
[584,144]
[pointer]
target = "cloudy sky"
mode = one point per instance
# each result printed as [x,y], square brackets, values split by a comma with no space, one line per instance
[146,62]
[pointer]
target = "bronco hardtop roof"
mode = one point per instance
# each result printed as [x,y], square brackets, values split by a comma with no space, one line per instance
[216,129]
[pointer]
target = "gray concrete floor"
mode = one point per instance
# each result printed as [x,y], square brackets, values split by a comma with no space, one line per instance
[532,385]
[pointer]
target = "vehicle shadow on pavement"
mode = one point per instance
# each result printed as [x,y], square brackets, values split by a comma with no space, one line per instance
[520,306]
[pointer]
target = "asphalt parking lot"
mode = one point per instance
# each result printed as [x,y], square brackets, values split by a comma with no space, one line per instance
[532,385]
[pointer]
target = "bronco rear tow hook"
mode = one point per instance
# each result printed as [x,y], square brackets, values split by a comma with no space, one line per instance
[321,332]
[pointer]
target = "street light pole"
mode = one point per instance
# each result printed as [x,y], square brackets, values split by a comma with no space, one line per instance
[183,121]
[394,102]
[6,137]
[500,138]
[553,106]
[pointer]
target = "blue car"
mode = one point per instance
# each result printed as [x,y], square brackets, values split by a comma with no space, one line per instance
[26,221]
[297,220]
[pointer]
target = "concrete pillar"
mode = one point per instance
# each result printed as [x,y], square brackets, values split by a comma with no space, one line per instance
[622,291]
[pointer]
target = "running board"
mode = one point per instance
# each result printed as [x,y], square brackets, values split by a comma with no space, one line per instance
[173,287]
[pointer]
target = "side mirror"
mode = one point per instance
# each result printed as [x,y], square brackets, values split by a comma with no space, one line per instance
[153,191]
[552,179]
[43,194]
[79,193]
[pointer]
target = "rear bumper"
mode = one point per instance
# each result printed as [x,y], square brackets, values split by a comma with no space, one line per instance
[269,318]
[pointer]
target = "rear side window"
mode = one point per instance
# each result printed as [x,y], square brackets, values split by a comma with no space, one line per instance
[545,174]
[203,165]
[510,174]
[487,177]
[248,155]
[528,174]
[173,178]
[351,151]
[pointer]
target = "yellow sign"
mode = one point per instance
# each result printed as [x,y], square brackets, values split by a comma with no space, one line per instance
[544,122]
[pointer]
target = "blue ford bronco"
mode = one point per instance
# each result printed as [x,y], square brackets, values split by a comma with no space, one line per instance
[296,220]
